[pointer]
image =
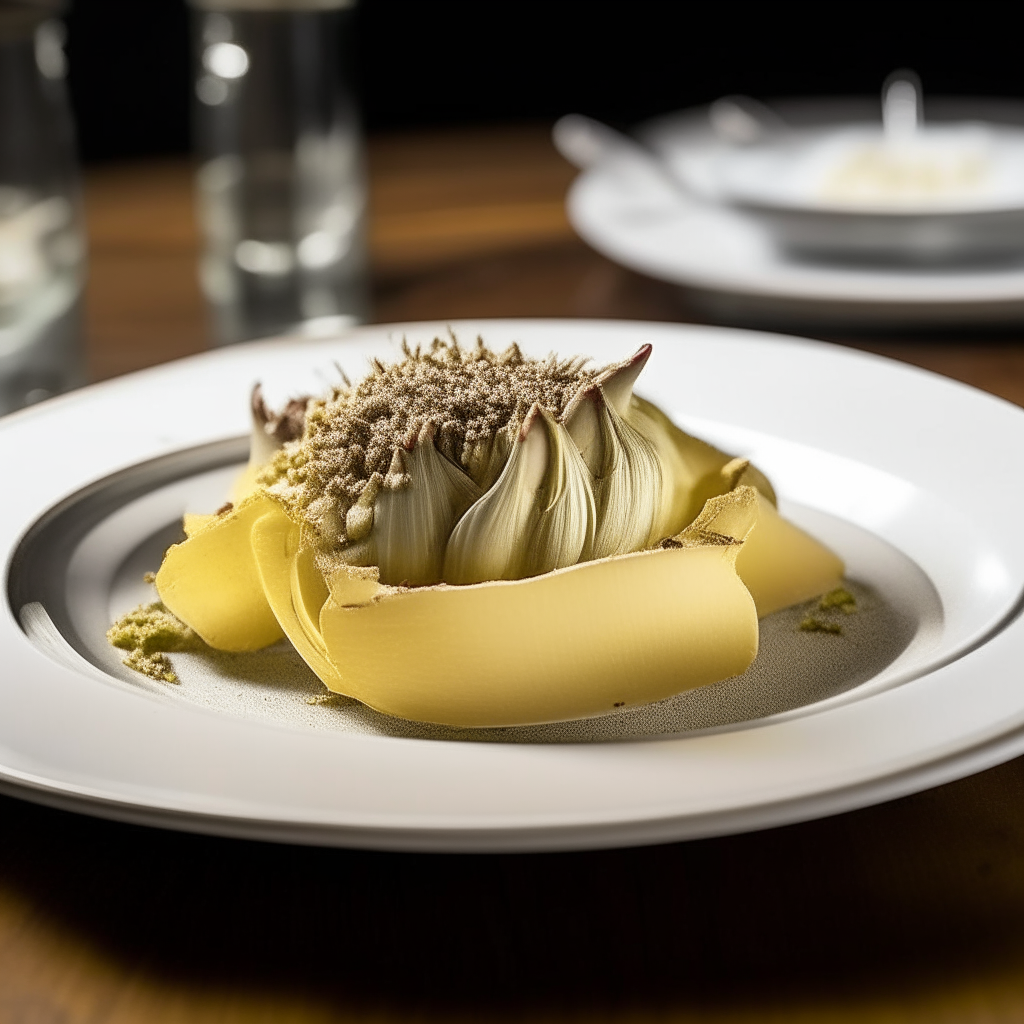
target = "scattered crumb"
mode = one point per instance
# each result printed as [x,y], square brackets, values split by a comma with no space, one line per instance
[225,508]
[839,598]
[149,577]
[329,699]
[147,634]
[619,704]
[812,624]
[832,603]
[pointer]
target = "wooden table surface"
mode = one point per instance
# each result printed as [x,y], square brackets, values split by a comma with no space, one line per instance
[911,911]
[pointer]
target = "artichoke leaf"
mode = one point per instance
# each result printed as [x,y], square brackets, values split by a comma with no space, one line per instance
[295,590]
[782,565]
[262,447]
[538,516]
[268,434]
[211,582]
[692,469]
[413,519]
[497,456]
[616,382]
[601,634]
[626,473]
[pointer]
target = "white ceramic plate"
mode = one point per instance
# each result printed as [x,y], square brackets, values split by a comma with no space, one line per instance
[728,262]
[908,475]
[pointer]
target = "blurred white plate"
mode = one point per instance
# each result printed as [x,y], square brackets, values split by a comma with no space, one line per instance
[964,168]
[874,456]
[730,265]
[848,193]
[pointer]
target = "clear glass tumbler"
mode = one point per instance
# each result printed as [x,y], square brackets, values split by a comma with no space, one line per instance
[42,248]
[282,191]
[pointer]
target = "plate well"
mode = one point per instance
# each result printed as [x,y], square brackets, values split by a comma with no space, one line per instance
[81,566]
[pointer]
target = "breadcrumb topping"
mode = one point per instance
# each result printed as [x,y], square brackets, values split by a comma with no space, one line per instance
[468,395]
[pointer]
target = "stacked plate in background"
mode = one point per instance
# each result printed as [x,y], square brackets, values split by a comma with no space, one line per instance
[812,215]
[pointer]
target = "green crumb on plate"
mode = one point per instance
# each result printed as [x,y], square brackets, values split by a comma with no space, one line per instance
[147,634]
[328,700]
[839,598]
[812,624]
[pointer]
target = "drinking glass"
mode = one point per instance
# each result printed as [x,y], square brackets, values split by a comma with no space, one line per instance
[42,249]
[281,184]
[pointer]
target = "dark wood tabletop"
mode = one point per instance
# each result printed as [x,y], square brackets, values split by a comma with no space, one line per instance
[909,911]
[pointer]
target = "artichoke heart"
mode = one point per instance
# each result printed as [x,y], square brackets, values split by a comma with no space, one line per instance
[483,539]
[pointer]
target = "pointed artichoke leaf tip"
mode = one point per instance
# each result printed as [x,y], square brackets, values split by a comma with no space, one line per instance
[566,514]
[412,434]
[426,434]
[554,481]
[258,405]
[617,381]
[397,476]
[536,438]
[271,430]
[584,421]
[262,443]
[529,421]
[491,540]
[359,518]
[629,493]
[448,489]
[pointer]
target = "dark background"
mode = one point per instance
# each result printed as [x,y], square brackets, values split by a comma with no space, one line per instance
[433,62]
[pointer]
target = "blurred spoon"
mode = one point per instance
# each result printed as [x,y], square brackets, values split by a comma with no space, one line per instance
[743,120]
[901,105]
[585,142]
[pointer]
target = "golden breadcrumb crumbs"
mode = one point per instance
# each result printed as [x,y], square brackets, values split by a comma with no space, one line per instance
[833,603]
[147,634]
[839,598]
[812,624]
[328,699]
